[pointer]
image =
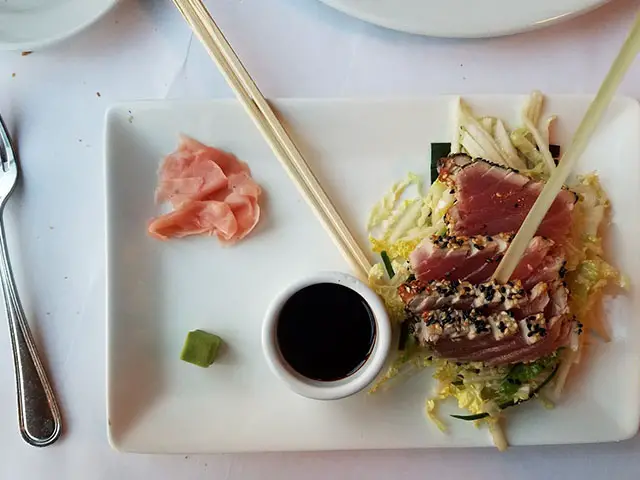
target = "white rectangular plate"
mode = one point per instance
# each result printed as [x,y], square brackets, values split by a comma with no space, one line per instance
[158,291]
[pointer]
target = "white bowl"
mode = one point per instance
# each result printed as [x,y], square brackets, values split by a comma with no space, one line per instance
[333,389]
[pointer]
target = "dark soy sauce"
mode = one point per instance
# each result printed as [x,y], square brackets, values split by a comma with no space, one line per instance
[326,331]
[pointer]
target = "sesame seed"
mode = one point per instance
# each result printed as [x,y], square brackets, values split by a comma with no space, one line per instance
[563,270]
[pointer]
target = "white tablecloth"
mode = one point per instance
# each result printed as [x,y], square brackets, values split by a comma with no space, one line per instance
[55,99]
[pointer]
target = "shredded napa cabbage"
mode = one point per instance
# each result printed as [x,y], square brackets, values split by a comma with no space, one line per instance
[531,117]
[431,408]
[456,381]
[387,207]
[398,224]
[589,273]
[387,288]
[525,148]
[411,360]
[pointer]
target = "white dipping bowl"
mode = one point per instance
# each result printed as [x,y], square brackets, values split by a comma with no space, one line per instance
[344,387]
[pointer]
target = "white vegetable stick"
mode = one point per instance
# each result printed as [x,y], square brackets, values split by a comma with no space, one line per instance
[549,131]
[487,124]
[472,147]
[525,147]
[504,142]
[499,439]
[533,107]
[531,117]
[482,137]
[542,145]
[490,149]
[563,373]
[455,140]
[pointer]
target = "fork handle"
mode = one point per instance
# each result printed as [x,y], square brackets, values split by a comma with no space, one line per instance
[39,417]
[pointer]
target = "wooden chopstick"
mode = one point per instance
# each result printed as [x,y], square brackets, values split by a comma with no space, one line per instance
[205,28]
[552,188]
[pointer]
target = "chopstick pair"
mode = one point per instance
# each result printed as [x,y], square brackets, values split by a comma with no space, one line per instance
[200,21]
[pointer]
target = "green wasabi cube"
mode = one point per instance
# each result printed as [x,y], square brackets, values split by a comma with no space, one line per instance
[200,348]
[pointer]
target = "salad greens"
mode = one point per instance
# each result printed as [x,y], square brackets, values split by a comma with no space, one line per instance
[407,214]
[515,401]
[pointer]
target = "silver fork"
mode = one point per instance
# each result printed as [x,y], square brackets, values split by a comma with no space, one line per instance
[38,413]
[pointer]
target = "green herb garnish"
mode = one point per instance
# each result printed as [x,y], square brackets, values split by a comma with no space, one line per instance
[387,264]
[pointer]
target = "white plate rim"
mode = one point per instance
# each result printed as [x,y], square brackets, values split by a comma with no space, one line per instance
[455,29]
[60,35]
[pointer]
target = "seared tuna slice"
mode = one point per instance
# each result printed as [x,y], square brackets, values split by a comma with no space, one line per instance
[474,259]
[491,199]
[498,337]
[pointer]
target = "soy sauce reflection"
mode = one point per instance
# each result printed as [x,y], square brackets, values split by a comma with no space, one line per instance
[326,331]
